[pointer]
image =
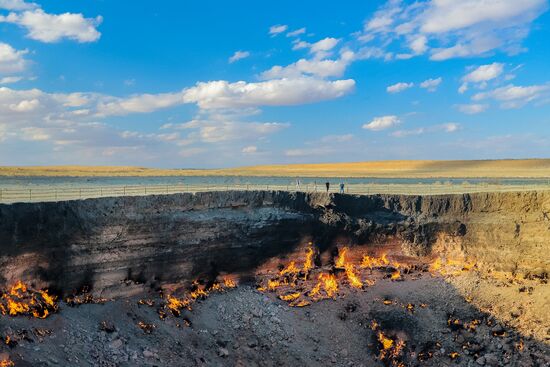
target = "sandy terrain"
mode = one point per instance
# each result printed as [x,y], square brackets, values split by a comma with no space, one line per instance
[527,168]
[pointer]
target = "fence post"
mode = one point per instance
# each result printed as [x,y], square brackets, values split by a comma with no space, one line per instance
[124,191]
[1,194]
[80,193]
[55,194]
[30,194]
[145,190]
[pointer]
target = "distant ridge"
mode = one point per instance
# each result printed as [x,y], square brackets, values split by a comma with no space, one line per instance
[507,168]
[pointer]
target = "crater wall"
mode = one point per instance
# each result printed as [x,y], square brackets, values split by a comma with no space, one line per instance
[104,243]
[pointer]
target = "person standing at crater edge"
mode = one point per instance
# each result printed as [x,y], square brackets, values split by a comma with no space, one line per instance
[327,184]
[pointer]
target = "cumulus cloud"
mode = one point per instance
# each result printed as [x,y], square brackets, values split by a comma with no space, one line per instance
[512,96]
[220,128]
[399,87]
[11,60]
[277,92]
[49,28]
[449,29]
[276,29]
[473,108]
[382,123]
[239,55]
[481,75]
[17,5]
[251,149]
[431,84]
[317,67]
[142,103]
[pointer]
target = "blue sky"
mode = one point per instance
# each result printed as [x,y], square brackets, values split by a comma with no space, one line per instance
[217,84]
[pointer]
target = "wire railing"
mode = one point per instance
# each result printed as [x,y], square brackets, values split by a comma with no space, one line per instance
[39,194]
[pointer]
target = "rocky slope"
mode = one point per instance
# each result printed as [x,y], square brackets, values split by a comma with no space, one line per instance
[104,243]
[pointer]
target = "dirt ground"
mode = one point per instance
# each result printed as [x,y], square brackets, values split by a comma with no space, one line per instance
[245,327]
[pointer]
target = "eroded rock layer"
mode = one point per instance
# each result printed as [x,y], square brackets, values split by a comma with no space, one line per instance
[104,243]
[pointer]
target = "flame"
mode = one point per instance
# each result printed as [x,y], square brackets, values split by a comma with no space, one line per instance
[20,300]
[175,305]
[520,345]
[229,283]
[308,264]
[328,282]
[451,266]
[341,260]
[6,363]
[352,276]
[373,262]
[396,275]
[454,355]
[290,269]
[290,297]
[387,343]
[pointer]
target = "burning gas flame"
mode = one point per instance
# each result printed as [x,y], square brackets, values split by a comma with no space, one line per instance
[198,291]
[352,276]
[374,262]
[6,363]
[341,259]
[328,283]
[20,300]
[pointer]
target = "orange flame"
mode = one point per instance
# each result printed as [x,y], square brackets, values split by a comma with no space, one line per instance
[353,278]
[6,363]
[341,260]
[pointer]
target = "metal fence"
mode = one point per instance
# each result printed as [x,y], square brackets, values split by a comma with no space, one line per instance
[38,194]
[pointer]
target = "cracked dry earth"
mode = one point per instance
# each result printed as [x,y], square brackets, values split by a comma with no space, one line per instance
[420,319]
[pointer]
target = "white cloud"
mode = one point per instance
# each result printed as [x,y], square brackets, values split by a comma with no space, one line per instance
[49,28]
[11,60]
[512,96]
[319,67]
[142,103]
[324,45]
[278,92]
[336,138]
[25,105]
[472,109]
[10,79]
[449,29]
[296,32]
[224,128]
[419,45]
[484,73]
[449,127]
[382,123]
[276,29]
[443,16]
[399,87]
[251,149]
[16,5]
[307,152]
[405,133]
[431,84]
[481,75]
[239,55]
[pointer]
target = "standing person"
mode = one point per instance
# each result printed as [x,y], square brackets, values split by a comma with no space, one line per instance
[342,185]
[327,184]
